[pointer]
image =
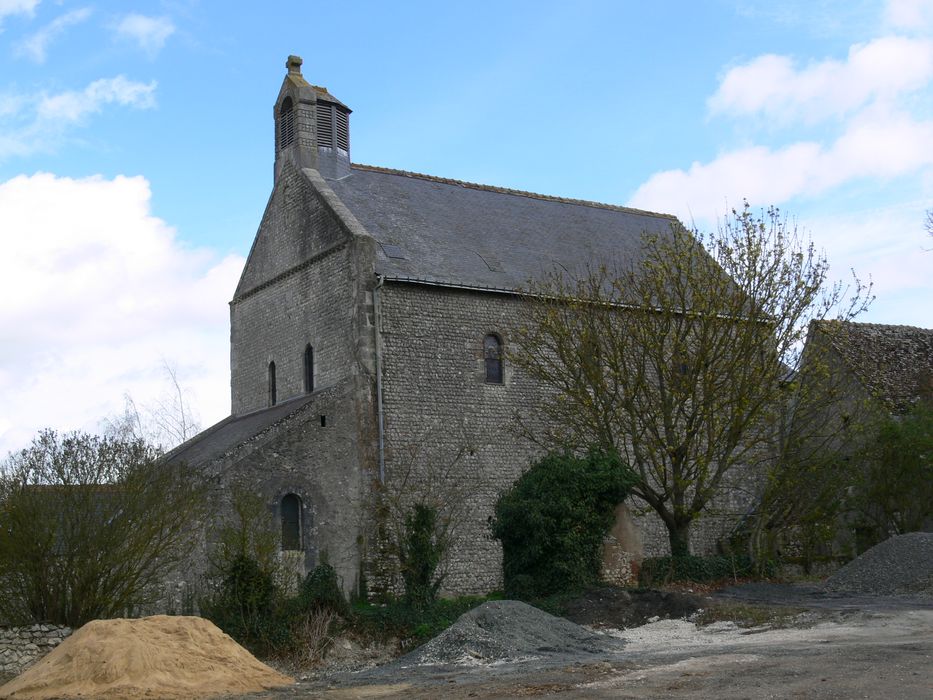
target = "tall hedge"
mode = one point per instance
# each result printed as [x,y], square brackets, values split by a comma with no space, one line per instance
[552,521]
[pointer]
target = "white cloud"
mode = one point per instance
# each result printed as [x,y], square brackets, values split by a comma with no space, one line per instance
[74,106]
[150,33]
[39,122]
[36,45]
[16,7]
[888,245]
[772,86]
[877,144]
[95,292]
[909,14]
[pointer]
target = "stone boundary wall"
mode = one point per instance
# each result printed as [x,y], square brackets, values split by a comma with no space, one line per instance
[21,647]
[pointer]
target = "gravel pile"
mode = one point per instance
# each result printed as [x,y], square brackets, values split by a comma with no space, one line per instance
[902,564]
[507,630]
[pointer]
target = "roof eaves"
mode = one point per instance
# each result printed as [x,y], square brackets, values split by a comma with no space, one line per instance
[450,285]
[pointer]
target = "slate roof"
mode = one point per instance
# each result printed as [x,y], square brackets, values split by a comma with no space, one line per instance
[450,232]
[895,363]
[216,441]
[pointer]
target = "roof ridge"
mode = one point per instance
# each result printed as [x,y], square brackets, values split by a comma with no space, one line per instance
[873,324]
[508,190]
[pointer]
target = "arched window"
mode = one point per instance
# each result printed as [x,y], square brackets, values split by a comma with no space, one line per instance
[309,369]
[272,384]
[286,123]
[291,522]
[492,355]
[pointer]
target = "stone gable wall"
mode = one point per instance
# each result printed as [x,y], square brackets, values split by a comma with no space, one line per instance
[300,286]
[276,323]
[307,281]
[296,226]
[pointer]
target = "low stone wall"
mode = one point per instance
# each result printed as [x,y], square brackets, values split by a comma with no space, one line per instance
[21,647]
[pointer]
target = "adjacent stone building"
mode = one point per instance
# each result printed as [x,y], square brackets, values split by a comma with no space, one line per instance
[855,377]
[889,366]
[368,338]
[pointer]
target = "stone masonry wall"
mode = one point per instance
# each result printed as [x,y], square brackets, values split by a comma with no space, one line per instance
[298,288]
[21,647]
[313,453]
[307,281]
[437,405]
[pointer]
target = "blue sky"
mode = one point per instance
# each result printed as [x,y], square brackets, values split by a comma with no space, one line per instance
[136,149]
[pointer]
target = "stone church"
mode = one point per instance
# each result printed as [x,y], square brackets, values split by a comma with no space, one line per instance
[368,346]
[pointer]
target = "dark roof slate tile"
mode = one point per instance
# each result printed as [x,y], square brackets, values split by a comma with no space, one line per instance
[223,437]
[895,363]
[452,232]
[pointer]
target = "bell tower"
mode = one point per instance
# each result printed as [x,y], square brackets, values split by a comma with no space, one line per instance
[312,127]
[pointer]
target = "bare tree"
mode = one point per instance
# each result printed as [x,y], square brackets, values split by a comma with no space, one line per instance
[171,414]
[166,422]
[678,363]
[89,527]
[425,504]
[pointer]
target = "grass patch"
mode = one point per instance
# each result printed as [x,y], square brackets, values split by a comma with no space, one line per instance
[745,615]
[411,626]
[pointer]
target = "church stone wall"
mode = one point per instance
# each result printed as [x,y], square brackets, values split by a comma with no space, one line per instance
[315,453]
[319,461]
[277,322]
[438,406]
[307,282]
[299,287]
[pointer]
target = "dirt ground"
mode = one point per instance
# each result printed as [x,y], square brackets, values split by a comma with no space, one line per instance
[820,646]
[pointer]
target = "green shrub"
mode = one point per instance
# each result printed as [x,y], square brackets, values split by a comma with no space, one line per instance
[420,554]
[412,626]
[321,590]
[245,605]
[249,595]
[552,522]
[661,570]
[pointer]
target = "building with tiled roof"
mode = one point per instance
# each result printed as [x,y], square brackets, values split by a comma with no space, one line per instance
[892,364]
[368,338]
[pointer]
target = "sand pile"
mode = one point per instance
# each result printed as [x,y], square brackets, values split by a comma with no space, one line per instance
[901,564]
[507,630]
[155,657]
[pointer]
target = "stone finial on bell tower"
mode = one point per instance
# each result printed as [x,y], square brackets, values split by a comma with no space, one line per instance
[312,127]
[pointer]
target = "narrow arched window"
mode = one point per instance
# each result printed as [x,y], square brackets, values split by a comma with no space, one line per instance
[492,355]
[286,123]
[272,384]
[309,369]
[291,521]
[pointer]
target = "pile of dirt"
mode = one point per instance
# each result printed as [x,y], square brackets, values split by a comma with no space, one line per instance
[154,657]
[504,631]
[617,608]
[901,564]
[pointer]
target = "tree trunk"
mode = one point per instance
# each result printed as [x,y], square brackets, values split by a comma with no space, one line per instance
[679,536]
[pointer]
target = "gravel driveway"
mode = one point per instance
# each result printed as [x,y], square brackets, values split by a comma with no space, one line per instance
[844,647]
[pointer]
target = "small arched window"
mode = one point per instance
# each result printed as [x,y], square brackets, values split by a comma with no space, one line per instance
[272,396]
[492,356]
[309,369]
[286,123]
[291,522]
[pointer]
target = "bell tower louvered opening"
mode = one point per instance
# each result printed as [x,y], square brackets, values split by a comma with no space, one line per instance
[286,131]
[342,130]
[325,125]
[333,127]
